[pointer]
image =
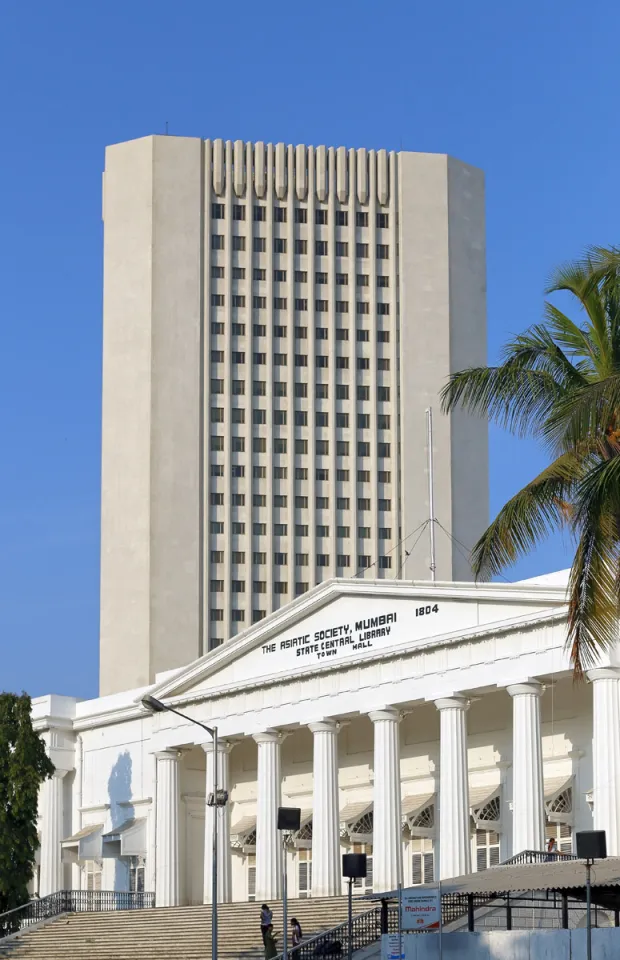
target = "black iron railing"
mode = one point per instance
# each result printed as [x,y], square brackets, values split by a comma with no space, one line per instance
[538,856]
[71,901]
[455,906]
[334,943]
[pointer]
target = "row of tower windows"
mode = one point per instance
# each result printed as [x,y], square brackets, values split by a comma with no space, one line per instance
[259,557]
[279,389]
[362,307]
[280,445]
[280,215]
[218,272]
[260,586]
[259,245]
[280,417]
[301,473]
[279,560]
[301,333]
[281,530]
[301,360]
[216,499]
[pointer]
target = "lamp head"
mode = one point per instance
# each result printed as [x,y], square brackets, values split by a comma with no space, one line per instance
[153,705]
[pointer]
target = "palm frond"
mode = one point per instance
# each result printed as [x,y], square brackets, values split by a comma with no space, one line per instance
[518,400]
[602,265]
[589,413]
[576,278]
[527,518]
[593,594]
[535,349]
[567,336]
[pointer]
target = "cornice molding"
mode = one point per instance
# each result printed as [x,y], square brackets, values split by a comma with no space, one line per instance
[49,722]
[106,717]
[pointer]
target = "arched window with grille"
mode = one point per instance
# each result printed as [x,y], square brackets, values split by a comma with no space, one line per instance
[243,841]
[486,810]
[419,821]
[302,843]
[559,812]
[251,875]
[304,872]
[356,827]
[362,830]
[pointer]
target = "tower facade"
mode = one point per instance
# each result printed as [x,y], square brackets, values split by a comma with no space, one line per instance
[276,321]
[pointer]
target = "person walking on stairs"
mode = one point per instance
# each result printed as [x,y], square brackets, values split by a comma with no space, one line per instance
[296,936]
[266,916]
[271,943]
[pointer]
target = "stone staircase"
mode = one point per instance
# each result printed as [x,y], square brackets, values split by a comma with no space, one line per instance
[170,933]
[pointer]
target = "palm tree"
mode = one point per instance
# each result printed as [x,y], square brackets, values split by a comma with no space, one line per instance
[559,382]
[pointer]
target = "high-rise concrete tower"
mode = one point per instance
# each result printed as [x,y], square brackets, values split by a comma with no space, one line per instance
[276,321]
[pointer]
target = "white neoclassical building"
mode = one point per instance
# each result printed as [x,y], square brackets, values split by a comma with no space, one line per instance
[434,726]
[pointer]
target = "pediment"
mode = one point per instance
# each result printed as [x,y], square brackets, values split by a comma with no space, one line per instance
[342,622]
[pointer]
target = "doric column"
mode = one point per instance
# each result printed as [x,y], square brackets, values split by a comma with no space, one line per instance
[268,842]
[606,754]
[387,862]
[528,789]
[167,877]
[326,874]
[52,816]
[224,882]
[454,839]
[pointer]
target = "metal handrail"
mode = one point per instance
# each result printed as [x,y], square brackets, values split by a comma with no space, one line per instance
[40,909]
[366,929]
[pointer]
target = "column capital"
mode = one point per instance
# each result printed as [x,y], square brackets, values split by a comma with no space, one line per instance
[526,688]
[223,746]
[171,754]
[270,736]
[386,713]
[324,726]
[455,702]
[603,673]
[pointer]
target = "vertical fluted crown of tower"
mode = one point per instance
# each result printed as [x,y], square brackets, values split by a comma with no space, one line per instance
[299,164]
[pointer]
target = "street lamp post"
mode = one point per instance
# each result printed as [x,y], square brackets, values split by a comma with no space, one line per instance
[156,706]
[289,820]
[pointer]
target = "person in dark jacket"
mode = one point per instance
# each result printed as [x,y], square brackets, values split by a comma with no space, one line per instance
[271,943]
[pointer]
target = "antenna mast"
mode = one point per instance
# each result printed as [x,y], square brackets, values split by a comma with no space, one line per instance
[431,493]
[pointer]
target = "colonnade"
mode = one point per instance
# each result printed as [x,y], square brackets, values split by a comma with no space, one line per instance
[528,814]
[454,813]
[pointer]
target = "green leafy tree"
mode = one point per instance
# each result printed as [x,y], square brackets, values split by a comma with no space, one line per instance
[24,765]
[559,382]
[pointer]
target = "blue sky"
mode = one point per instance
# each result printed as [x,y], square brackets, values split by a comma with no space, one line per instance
[527,91]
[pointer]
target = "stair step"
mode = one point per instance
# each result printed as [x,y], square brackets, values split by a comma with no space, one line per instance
[164,932]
